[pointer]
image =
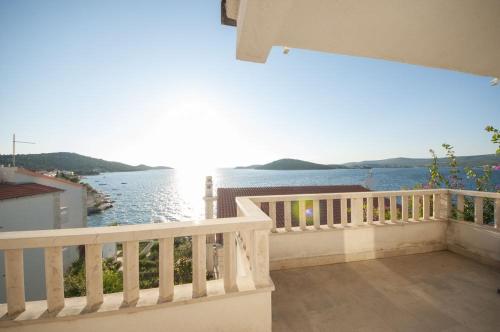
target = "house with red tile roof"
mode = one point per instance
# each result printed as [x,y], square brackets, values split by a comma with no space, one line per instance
[33,201]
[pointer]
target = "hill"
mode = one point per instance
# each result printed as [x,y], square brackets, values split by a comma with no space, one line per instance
[292,164]
[463,161]
[71,162]
[295,164]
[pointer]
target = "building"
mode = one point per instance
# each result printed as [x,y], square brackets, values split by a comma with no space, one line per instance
[419,266]
[31,201]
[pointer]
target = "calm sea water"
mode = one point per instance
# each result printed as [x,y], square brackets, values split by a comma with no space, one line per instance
[174,195]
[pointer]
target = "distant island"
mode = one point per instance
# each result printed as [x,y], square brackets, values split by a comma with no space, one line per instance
[292,164]
[79,164]
[296,164]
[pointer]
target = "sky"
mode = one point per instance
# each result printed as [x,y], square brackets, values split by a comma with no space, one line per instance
[158,83]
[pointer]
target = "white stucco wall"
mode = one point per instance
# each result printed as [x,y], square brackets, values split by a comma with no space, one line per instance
[327,246]
[479,242]
[73,198]
[242,312]
[28,213]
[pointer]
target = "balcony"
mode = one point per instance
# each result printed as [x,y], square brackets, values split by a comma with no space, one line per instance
[412,263]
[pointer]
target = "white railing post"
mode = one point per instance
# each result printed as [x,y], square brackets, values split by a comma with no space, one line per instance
[166,269]
[93,275]
[288,215]
[381,209]
[357,211]
[445,205]
[54,280]
[404,208]
[230,262]
[130,272]
[199,250]
[14,281]
[416,207]
[426,202]
[460,207]
[393,209]
[316,214]
[436,206]
[260,269]
[329,212]
[343,211]
[272,215]
[369,210]
[478,210]
[209,198]
[302,215]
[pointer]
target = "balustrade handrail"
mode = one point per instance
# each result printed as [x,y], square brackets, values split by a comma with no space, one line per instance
[358,194]
[474,193]
[373,194]
[108,234]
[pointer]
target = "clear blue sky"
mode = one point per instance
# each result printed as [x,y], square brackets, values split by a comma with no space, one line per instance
[157,82]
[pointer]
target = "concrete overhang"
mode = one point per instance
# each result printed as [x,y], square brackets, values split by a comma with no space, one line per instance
[460,35]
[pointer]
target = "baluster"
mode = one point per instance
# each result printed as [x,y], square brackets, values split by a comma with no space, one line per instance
[272,215]
[166,269]
[393,209]
[260,271]
[436,206]
[426,207]
[460,207]
[357,211]
[302,215]
[229,262]
[404,208]
[416,208]
[497,213]
[199,249]
[14,281]
[130,272]
[93,274]
[369,210]
[343,211]
[381,209]
[54,280]
[478,210]
[329,212]
[288,215]
[316,214]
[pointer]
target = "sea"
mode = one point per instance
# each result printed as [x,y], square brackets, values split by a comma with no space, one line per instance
[175,195]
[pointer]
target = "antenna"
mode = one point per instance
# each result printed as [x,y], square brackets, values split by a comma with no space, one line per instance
[14,148]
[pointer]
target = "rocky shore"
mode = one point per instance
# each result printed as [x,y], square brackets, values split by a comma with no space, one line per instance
[97,201]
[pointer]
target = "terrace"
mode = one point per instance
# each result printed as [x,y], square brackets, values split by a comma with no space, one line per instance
[410,260]
[393,260]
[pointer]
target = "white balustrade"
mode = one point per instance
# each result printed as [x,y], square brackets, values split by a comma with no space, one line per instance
[253,225]
[245,236]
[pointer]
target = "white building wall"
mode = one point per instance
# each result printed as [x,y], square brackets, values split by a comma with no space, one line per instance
[19,214]
[73,198]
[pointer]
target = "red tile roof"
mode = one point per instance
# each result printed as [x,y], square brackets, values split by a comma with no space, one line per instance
[16,190]
[25,171]
[226,204]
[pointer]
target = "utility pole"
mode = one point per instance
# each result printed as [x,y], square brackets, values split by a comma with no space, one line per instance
[14,148]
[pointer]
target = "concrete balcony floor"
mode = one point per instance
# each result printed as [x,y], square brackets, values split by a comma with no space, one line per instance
[439,291]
